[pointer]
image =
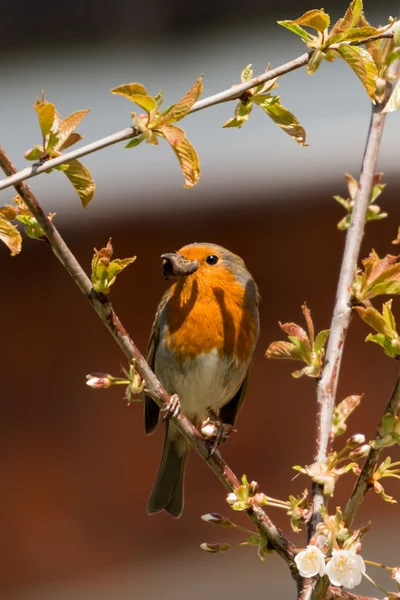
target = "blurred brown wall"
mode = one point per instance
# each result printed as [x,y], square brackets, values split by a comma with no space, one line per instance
[75,466]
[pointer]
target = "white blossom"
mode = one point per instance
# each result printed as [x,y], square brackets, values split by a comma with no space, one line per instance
[231,498]
[310,562]
[345,568]
[396,575]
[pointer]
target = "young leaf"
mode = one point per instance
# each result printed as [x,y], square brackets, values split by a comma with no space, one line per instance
[45,112]
[295,28]
[242,114]
[394,101]
[82,181]
[67,127]
[134,142]
[354,35]
[137,93]
[380,276]
[105,270]
[350,19]
[362,64]
[315,61]
[385,325]
[315,19]
[301,346]
[342,412]
[10,235]
[282,117]
[247,74]
[373,212]
[179,110]
[184,151]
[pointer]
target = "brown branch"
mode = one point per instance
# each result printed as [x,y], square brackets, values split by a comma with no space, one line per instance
[363,485]
[232,93]
[336,593]
[103,308]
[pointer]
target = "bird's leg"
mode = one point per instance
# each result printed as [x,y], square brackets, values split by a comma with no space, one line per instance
[172,409]
[215,431]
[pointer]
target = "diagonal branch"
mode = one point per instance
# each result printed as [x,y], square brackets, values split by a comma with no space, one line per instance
[103,308]
[232,93]
[362,485]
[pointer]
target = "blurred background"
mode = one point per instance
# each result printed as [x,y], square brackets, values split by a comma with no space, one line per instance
[75,466]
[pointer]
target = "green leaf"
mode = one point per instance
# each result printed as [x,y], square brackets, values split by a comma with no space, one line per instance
[320,341]
[184,151]
[181,108]
[134,142]
[247,74]
[315,61]
[384,342]
[35,153]
[354,35]
[350,19]
[393,55]
[242,114]
[10,235]
[45,112]
[137,93]
[283,350]
[342,412]
[362,64]
[282,117]
[294,28]
[105,270]
[394,101]
[315,19]
[388,287]
[82,181]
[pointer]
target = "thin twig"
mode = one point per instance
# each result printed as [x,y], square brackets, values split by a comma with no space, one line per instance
[233,93]
[103,308]
[363,485]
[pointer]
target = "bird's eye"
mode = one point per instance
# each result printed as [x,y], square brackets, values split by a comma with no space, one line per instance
[212,259]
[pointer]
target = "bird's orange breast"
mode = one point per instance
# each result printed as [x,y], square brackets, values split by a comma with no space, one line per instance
[207,311]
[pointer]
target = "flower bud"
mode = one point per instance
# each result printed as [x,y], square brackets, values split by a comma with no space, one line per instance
[98,382]
[253,488]
[355,440]
[214,547]
[209,430]
[231,498]
[360,452]
[217,519]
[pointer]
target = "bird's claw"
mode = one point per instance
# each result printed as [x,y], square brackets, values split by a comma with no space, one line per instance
[172,409]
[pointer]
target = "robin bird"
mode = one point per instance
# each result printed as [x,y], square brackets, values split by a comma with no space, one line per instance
[201,346]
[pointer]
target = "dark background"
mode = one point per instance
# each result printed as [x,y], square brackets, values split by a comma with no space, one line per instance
[75,466]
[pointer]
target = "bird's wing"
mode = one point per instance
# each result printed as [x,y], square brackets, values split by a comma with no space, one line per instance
[151,409]
[229,412]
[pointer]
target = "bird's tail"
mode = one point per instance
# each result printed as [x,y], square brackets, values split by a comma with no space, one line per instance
[167,492]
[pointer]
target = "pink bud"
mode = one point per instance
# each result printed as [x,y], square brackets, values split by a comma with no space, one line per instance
[98,382]
[217,519]
[355,440]
[360,452]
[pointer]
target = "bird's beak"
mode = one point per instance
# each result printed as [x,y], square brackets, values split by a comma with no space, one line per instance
[175,265]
